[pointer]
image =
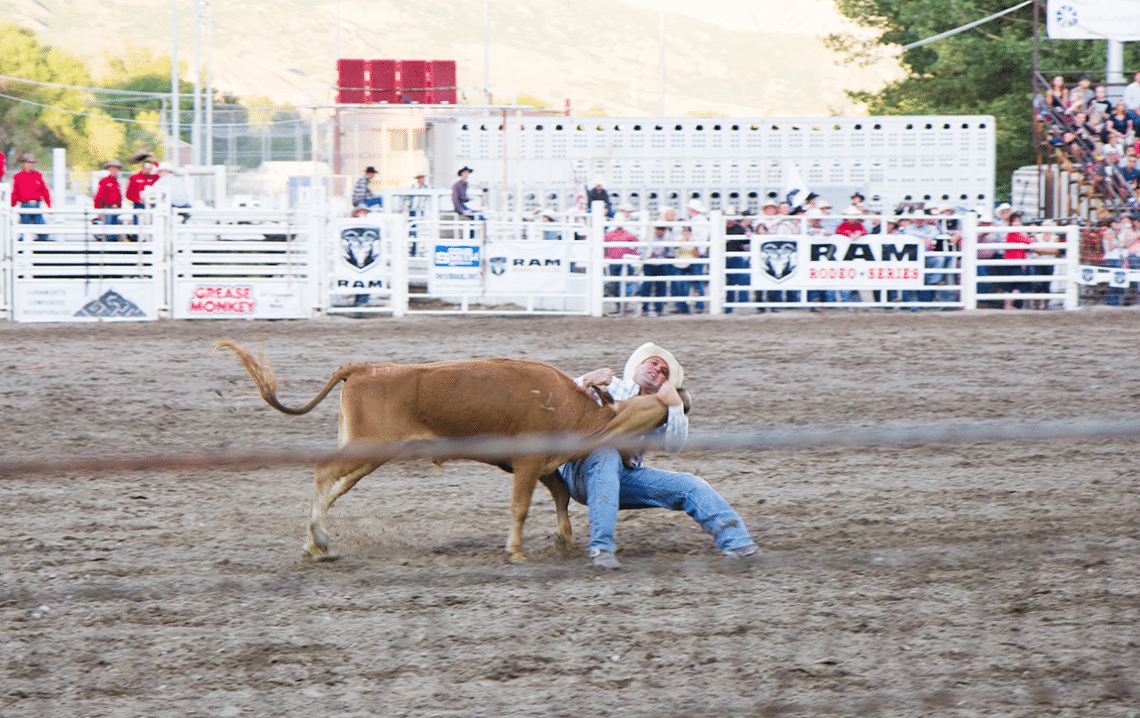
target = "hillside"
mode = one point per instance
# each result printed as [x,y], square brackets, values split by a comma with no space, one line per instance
[597,53]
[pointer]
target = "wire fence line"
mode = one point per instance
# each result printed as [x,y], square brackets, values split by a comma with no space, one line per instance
[501,447]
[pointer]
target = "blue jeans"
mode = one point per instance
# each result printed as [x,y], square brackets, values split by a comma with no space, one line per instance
[604,484]
[733,280]
[656,288]
[33,218]
[682,289]
[372,202]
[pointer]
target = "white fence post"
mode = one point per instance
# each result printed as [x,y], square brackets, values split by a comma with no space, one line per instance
[595,241]
[716,263]
[1072,266]
[399,276]
[968,279]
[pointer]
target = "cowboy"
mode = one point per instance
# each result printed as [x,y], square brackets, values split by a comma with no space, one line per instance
[605,484]
[459,198]
[110,195]
[29,189]
[138,182]
[362,195]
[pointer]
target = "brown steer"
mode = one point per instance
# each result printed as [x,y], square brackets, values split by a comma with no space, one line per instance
[400,403]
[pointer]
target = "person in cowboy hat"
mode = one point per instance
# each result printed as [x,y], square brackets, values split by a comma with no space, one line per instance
[605,484]
[29,189]
[110,194]
[459,198]
[362,195]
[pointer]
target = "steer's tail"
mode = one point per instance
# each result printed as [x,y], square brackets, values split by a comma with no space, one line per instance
[262,375]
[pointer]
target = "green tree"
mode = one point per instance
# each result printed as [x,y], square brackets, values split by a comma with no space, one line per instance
[47,116]
[986,70]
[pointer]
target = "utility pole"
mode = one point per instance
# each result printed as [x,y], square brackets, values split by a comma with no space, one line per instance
[661,62]
[174,119]
[196,124]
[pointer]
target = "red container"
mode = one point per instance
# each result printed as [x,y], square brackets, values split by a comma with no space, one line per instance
[442,82]
[413,81]
[350,81]
[382,86]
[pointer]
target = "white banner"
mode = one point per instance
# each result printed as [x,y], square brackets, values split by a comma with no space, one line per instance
[360,260]
[1094,20]
[893,261]
[456,268]
[528,267]
[79,301]
[241,299]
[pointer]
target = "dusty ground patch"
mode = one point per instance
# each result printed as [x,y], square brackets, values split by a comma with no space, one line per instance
[982,579]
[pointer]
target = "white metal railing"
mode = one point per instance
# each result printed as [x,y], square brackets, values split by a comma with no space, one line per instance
[208,262]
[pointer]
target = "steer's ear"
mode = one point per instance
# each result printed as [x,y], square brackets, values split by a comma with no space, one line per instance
[686,399]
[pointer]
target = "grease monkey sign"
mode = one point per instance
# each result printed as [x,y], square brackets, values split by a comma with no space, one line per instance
[892,261]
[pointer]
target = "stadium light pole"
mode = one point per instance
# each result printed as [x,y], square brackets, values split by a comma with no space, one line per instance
[196,123]
[173,156]
[486,53]
[209,82]
[661,62]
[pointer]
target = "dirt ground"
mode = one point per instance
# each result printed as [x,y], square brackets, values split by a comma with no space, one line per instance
[994,579]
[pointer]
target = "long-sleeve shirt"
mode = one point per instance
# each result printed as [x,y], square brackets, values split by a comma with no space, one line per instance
[109,193]
[673,433]
[29,187]
[137,183]
[459,198]
[361,191]
[175,189]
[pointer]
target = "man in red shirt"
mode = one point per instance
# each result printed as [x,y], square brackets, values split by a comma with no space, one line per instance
[28,189]
[109,194]
[139,182]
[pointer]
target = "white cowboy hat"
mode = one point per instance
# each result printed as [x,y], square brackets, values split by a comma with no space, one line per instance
[696,205]
[647,350]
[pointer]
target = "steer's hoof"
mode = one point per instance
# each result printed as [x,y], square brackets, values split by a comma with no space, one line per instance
[566,548]
[518,557]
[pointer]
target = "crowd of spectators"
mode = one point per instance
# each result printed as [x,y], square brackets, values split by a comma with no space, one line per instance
[663,266]
[1097,134]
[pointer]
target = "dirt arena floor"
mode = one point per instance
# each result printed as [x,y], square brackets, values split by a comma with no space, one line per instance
[995,579]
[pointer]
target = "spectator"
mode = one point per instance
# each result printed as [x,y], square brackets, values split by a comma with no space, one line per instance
[1115,250]
[1059,92]
[657,252]
[174,189]
[1082,93]
[737,242]
[3,166]
[1044,270]
[1132,94]
[856,206]
[1130,172]
[985,220]
[598,194]
[615,252]
[29,190]
[459,198]
[701,229]
[828,223]
[1016,271]
[138,182]
[362,195]
[1122,122]
[1099,102]
[110,195]
[685,252]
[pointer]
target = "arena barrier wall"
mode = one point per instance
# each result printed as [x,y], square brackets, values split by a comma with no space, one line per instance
[282,264]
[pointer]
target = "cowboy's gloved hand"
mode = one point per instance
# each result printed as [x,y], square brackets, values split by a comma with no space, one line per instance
[598,377]
[668,395]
